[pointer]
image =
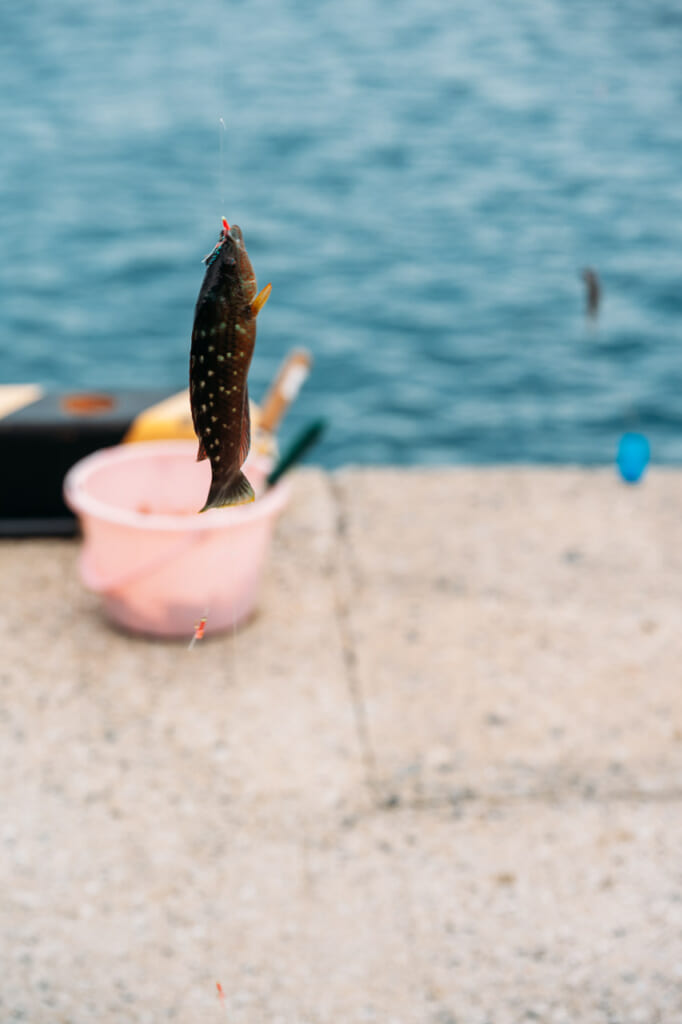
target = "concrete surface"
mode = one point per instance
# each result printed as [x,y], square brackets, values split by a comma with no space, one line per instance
[438,778]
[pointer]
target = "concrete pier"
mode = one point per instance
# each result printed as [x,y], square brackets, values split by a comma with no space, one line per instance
[437,778]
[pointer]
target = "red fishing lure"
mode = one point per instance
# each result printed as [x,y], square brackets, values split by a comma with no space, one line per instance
[198,632]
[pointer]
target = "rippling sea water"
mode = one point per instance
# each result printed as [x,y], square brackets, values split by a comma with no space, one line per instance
[421,182]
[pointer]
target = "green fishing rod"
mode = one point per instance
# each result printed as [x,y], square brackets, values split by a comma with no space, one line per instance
[301,443]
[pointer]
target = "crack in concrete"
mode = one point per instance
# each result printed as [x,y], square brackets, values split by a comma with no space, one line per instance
[398,803]
[382,799]
[341,555]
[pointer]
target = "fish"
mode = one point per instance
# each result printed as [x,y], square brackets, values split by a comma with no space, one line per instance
[592,292]
[223,340]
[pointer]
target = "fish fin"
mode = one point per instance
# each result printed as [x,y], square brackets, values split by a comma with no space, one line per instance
[260,300]
[245,439]
[201,454]
[235,491]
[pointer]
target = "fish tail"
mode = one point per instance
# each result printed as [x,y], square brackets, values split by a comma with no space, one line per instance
[235,491]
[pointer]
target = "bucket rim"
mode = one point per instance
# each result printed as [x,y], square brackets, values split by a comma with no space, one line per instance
[83,504]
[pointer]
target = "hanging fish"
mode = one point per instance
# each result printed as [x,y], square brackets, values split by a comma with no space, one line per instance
[592,292]
[223,340]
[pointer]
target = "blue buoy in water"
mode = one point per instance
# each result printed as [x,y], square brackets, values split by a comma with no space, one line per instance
[633,456]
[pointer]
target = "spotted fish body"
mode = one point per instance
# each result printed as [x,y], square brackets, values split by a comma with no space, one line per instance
[223,340]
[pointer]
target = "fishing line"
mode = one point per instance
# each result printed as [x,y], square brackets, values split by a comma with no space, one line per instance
[222,132]
[222,128]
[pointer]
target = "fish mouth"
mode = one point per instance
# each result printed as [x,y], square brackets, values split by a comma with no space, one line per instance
[231,234]
[234,232]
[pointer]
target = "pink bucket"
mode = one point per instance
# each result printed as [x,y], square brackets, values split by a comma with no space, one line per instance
[158,565]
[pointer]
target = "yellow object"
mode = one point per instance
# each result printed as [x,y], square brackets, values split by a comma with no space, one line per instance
[172,418]
[15,396]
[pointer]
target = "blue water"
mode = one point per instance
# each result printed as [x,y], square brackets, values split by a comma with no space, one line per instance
[421,181]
